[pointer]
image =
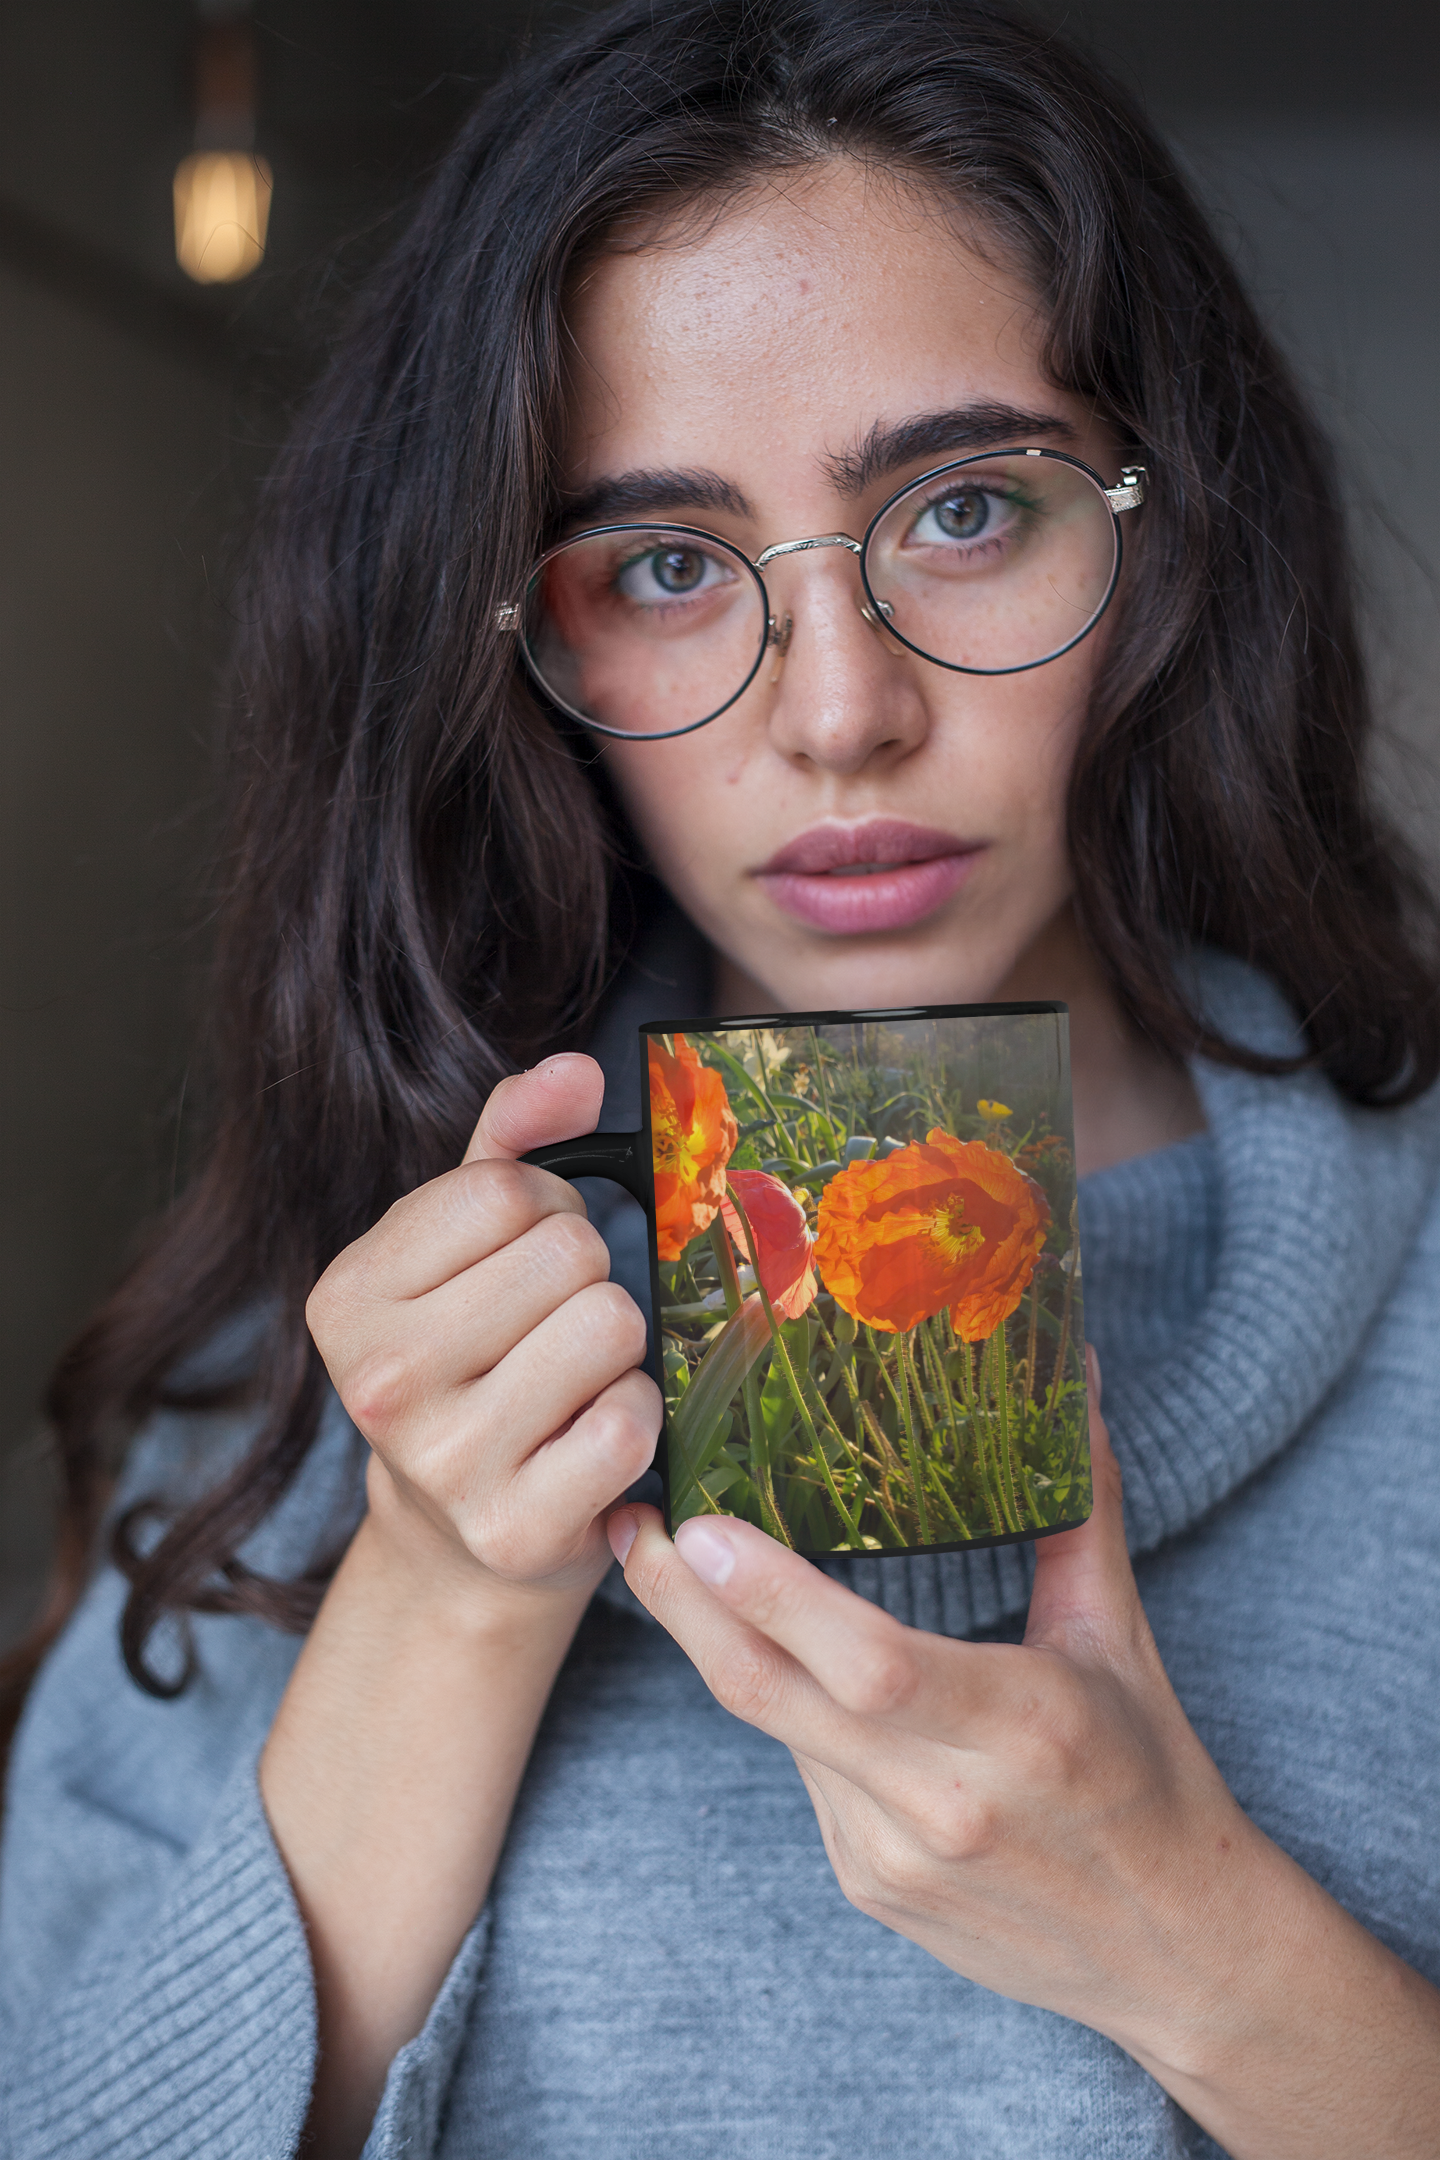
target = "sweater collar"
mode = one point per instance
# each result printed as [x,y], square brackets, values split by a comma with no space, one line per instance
[1318,1206]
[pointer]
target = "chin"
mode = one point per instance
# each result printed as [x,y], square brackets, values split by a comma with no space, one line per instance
[845,976]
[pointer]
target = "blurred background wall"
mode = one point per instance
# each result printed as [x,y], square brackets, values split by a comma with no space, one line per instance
[137,410]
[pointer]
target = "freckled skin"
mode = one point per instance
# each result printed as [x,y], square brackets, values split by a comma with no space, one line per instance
[754,349]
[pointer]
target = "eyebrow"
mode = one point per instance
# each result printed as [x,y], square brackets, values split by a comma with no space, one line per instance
[952,433]
[887,447]
[642,494]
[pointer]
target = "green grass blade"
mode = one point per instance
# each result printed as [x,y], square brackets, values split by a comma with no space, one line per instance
[696,1418]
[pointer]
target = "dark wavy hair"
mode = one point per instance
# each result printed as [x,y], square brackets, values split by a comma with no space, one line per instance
[425,885]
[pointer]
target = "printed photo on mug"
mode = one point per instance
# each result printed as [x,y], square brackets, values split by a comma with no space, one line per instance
[867,1276]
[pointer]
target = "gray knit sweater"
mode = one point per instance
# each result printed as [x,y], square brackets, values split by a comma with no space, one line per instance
[666,1969]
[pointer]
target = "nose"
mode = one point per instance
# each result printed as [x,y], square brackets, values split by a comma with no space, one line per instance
[844,696]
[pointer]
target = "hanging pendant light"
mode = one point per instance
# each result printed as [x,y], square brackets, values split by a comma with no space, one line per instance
[222,191]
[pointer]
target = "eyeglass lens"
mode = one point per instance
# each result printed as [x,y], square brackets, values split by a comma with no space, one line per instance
[993,565]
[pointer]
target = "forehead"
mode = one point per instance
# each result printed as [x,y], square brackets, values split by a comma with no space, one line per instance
[789,322]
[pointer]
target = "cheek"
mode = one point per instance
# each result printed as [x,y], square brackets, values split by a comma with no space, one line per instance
[681,797]
[1005,747]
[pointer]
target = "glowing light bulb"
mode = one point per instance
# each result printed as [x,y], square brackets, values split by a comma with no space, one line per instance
[222,211]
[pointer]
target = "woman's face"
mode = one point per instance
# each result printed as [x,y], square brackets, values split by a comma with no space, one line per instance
[861,827]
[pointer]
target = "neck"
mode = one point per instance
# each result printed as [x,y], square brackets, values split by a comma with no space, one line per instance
[1130,1098]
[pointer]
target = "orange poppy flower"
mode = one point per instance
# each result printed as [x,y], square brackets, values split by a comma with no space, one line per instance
[940,1222]
[783,1244]
[692,1136]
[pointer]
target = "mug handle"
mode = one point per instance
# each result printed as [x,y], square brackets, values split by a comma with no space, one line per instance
[614,1155]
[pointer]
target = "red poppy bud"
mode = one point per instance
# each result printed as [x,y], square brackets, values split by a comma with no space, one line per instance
[783,1244]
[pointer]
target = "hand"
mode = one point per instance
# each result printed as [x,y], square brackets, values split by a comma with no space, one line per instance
[1024,1813]
[474,1337]
[1043,1819]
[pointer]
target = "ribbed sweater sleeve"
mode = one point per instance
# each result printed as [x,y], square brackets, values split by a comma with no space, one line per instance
[198,2034]
[156,1993]
[410,2117]
[192,2033]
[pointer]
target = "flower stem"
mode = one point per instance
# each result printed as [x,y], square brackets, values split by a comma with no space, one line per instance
[725,1260]
[963,1352]
[1032,1341]
[782,1358]
[839,1364]
[881,1367]
[884,1456]
[933,1465]
[1000,1354]
[921,1405]
[820,1082]
[936,1367]
[912,1450]
[989,1448]
[1002,1392]
[950,1509]
[847,1447]
[759,1450]
[865,1423]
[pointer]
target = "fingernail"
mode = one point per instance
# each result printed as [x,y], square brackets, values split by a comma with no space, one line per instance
[706,1551]
[621,1529]
[1092,1359]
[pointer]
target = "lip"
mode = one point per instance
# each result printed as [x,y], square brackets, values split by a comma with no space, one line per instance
[916,871]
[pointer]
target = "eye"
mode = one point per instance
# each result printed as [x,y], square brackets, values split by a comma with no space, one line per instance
[964,515]
[676,570]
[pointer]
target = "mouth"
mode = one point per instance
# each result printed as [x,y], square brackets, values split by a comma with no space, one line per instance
[884,874]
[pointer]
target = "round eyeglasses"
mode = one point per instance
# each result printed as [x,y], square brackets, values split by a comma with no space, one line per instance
[988,566]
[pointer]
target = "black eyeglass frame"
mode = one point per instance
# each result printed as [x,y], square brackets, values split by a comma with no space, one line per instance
[1127,496]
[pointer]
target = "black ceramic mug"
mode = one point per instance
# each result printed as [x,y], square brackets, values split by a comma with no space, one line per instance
[866,1272]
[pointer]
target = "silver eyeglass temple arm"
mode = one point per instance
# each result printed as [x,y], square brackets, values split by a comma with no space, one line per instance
[1131,491]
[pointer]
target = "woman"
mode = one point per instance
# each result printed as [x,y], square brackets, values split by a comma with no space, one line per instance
[755,270]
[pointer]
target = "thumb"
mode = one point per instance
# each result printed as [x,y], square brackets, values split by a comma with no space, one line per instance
[555,1101]
[1084,1583]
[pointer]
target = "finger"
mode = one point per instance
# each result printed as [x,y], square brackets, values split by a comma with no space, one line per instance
[549,1376]
[1084,1592]
[465,1326]
[549,1518]
[585,1467]
[558,1099]
[865,1660]
[458,1219]
[436,1232]
[400,1364]
[747,1672]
